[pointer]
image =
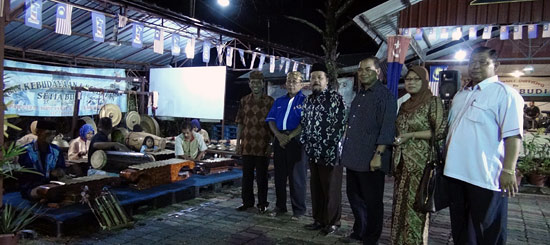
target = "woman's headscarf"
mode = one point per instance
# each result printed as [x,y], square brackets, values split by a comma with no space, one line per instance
[84,130]
[423,96]
[196,124]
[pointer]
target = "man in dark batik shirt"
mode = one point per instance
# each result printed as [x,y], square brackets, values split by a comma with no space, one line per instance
[322,129]
[366,153]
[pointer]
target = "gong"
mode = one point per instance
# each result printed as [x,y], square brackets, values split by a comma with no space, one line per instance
[132,119]
[119,135]
[150,125]
[99,159]
[111,111]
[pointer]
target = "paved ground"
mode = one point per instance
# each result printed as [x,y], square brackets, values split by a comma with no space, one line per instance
[212,219]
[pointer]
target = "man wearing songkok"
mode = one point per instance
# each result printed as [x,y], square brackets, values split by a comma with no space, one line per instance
[323,123]
[284,121]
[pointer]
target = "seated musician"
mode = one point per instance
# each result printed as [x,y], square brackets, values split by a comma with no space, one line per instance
[28,138]
[101,141]
[196,125]
[42,156]
[148,145]
[78,148]
[189,144]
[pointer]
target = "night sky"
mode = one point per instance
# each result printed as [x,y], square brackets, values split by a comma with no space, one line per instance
[251,17]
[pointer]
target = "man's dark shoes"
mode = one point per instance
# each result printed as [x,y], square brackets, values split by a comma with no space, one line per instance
[329,229]
[262,209]
[243,207]
[314,226]
[277,212]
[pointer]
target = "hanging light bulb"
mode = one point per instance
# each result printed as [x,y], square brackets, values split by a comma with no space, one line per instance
[223,3]
[460,55]
[517,73]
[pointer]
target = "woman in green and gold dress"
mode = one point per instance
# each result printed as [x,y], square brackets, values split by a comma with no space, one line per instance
[413,125]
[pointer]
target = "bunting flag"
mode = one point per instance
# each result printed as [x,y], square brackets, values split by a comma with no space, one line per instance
[219,49]
[137,34]
[262,61]
[282,63]
[271,64]
[63,19]
[431,34]
[532,31]
[229,56]
[406,32]
[190,49]
[487,32]
[308,68]
[472,33]
[434,78]
[397,52]
[176,50]
[444,33]
[504,33]
[546,30]
[122,21]
[241,54]
[98,27]
[287,65]
[33,13]
[518,32]
[418,34]
[206,52]
[295,66]
[254,54]
[158,42]
[457,34]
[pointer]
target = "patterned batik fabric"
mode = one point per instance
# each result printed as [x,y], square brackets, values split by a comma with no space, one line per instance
[255,133]
[323,122]
[409,226]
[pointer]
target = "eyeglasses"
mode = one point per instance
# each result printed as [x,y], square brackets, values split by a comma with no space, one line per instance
[412,79]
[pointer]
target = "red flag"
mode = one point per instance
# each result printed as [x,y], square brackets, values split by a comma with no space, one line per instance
[397,48]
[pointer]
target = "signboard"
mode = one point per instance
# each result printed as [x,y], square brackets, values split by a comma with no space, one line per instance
[480,2]
[47,92]
[529,86]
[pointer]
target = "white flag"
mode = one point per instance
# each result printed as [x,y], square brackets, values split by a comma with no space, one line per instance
[262,61]
[122,21]
[472,34]
[282,63]
[206,52]
[308,68]
[229,56]
[63,19]
[158,42]
[271,64]
[487,32]
[176,50]
[241,54]
[295,66]
[253,59]
[518,32]
[190,49]
[287,65]
[219,48]
[546,30]
[444,34]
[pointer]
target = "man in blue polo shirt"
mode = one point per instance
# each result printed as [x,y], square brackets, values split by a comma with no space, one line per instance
[284,120]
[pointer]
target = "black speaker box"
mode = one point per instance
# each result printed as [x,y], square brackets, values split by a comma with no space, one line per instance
[449,84]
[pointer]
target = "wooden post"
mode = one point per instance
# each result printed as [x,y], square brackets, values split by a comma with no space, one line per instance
[76,108]
[4,14]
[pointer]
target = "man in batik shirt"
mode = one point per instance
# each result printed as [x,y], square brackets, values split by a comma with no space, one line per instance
[322,128]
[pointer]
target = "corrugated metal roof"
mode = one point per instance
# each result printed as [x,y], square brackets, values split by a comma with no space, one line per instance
[23,41]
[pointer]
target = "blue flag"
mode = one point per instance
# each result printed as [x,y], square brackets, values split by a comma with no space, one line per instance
[137,41]
[504,33]
[98,27]
[206,52]
[33,13]
[532,31]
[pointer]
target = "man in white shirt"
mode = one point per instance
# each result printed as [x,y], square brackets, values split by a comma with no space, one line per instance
[189,144]
[485,131]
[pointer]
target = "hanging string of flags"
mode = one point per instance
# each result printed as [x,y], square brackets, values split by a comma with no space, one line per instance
[63,25]
[442,33]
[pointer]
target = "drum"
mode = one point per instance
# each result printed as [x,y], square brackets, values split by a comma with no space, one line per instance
[134,140]
[115,161]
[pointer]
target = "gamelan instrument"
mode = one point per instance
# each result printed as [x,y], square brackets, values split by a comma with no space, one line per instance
[150,125]
[147,175]
[132,118]
[107,210]
[111,111]
[214,166]
[134,140]
[70,190]
[115,161]
[163,154]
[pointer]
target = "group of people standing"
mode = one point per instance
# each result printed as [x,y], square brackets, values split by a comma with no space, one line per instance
[484,132]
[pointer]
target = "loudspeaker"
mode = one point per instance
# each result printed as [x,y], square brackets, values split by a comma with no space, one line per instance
[449,84]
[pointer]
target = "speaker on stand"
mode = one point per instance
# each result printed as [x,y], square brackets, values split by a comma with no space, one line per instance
[449,84]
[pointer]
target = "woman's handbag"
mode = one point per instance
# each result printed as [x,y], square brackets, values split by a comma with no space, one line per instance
[432,193]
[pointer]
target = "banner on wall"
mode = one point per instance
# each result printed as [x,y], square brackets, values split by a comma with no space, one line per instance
[529,86]
[50,95]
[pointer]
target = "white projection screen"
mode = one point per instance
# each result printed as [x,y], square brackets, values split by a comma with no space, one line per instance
[192,92]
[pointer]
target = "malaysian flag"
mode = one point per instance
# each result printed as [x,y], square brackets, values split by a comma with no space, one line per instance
[63,19]
[158,43]
[434,78]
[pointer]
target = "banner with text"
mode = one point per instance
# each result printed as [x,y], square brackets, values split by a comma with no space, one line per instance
[529,86]
[50,95]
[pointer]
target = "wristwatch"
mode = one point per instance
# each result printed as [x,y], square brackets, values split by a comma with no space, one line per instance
[377,152]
